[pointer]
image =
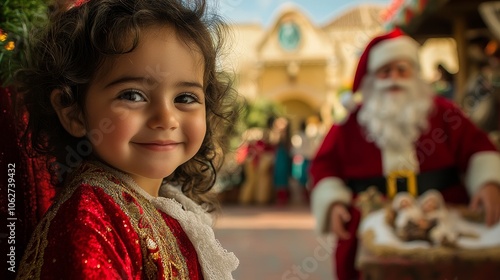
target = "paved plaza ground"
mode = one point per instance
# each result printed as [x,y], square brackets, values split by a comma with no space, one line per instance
[274,243]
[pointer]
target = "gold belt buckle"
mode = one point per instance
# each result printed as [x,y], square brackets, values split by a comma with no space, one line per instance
[411,182]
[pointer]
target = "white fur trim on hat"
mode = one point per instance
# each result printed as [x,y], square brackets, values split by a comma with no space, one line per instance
[326,192]
[391,49]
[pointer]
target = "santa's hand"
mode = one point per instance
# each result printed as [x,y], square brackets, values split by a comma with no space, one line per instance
[488,197]
[339,216]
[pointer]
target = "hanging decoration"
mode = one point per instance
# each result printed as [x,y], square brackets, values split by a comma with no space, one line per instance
[400,13]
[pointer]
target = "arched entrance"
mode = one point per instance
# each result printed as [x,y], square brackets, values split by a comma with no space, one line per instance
[298,105]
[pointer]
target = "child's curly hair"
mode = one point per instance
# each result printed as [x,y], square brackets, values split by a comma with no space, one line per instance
[78,41]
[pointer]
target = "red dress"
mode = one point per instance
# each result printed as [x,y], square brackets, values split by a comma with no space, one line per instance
[102,228]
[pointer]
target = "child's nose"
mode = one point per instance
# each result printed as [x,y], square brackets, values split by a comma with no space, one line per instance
[164,116]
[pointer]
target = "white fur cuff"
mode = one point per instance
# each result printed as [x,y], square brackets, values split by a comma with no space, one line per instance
[483,167]
[326,192]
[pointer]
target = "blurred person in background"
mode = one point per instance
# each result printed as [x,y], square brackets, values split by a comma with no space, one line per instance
[257,157]
[280,137]
[401,126]
[304,145]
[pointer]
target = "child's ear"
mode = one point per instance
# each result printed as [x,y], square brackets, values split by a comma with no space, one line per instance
[70,117]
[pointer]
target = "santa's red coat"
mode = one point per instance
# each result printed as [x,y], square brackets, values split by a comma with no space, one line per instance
[450,141]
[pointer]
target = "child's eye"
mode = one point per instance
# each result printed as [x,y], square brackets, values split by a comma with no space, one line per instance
[132,95]
[186,98]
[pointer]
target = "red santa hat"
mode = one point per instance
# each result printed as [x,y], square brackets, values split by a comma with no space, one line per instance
[382,50]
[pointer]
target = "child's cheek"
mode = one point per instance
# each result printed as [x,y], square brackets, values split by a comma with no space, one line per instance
[196,130]
[118,111]
[112,131]
[123,132]
[99,128]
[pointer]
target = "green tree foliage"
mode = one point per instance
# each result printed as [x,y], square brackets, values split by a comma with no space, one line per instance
[259,111]
[17,20]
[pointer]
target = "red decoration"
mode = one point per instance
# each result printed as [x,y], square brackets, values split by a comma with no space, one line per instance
[78,3]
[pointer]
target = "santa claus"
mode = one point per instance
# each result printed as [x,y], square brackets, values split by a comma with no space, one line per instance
[402,138]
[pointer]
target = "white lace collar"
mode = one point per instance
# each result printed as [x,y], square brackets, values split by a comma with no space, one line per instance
[216,262]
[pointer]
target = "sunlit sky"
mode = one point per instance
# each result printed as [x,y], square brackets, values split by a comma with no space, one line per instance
[264,11]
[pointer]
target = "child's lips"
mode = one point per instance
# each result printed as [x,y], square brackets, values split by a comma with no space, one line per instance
[158,145]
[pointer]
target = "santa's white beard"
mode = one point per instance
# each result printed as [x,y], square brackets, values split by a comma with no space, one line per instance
[395,120]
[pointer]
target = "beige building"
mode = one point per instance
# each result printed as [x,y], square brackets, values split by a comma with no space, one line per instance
[303,66]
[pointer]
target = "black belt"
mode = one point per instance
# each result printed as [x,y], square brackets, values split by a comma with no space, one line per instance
[437,179]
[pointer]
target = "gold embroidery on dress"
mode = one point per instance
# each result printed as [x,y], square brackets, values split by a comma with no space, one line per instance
[152,232]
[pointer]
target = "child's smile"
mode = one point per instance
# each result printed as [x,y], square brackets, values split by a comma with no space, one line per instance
[158,145]
[153,103]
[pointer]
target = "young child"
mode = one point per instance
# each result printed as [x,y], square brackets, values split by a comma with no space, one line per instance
[127,98]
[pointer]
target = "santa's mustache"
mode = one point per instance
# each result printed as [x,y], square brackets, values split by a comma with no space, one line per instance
[391,84]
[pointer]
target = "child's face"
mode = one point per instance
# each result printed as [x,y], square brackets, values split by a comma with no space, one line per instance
[145,110]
